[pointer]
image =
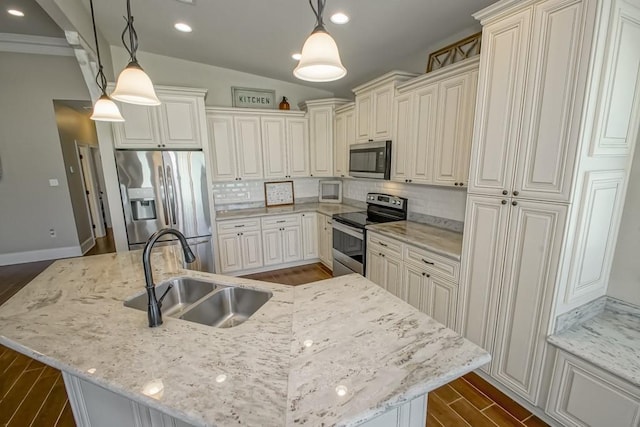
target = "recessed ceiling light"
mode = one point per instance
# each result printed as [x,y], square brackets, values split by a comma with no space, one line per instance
[296,56]
[339,18]
[15,12]
[181,26]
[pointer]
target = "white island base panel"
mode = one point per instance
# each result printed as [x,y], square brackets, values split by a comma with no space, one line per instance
[94,406]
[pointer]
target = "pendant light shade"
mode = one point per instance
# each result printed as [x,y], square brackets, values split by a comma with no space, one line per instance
[320,61]
[105,110]
[134,87]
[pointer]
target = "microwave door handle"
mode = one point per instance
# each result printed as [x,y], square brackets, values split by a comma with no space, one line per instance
[162,196]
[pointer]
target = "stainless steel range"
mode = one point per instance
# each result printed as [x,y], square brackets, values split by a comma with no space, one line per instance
[349,231]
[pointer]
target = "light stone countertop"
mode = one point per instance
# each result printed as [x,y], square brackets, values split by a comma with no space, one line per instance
[609,340]
[383,350]
[443,242]
[323,208]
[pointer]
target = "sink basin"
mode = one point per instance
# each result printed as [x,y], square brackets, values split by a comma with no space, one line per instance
[227,307]
[184,292]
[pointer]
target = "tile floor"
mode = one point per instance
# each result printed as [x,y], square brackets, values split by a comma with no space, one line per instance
[32,394]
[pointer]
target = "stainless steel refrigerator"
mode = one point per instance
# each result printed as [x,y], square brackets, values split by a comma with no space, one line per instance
[166,189]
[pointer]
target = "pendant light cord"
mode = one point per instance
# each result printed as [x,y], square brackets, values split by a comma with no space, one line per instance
[318,12]
[133,36]
[101,79]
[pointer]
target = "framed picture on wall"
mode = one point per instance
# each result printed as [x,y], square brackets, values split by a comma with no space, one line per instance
[278,193]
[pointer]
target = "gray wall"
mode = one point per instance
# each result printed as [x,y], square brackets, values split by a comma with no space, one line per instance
[624,282]
[31,153]
[75,126]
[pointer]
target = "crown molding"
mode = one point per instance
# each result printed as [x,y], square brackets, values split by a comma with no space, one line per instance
[38,45]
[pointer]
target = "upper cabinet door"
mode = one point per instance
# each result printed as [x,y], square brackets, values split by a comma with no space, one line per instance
[298,147]
[401,152]
[498,112]
[363,117]
[321,123]
[249,147]
[140,128]
[381,113]
[451,129]
[222,147]
[420,157]
[180,122]
[340,149]
[554,99]
[274,147]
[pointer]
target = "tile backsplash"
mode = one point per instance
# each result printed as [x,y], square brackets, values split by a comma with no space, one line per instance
[227,195]
[423,199]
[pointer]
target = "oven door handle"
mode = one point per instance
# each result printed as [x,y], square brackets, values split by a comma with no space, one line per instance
[354,232]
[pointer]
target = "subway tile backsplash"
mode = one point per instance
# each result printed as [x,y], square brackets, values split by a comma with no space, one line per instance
[236,195]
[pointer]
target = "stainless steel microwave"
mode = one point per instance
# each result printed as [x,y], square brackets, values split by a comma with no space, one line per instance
[370,160]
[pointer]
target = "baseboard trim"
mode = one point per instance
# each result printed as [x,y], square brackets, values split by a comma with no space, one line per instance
[40,255]
[87,245]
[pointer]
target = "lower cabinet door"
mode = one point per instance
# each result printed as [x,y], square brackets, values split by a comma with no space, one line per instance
[272,244]
[443,297]
[416,291]
[229,252]
[375,268]
[292,244]
[251,250]
[310,244]
[392,275]
[585,396]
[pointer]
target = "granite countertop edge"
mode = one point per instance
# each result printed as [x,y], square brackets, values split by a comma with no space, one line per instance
[323,208]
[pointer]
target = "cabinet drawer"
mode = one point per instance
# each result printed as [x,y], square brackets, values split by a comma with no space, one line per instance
[238,225]
[443,267]
[280,221]
[388,245]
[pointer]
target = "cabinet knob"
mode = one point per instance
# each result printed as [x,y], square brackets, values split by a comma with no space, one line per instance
[456,184]
[426,275]
[504,202]
[505,192]
[461,184]
[514,203]
[515,193]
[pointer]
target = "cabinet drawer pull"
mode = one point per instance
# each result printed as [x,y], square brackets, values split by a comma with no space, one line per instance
[239,226]
[427,262]
[383,244]
[281,221]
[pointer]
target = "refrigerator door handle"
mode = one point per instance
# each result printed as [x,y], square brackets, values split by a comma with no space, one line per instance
[162,195]
[172,195]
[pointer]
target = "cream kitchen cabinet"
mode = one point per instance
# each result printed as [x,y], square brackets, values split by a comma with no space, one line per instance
[373,107]
[282,239]
[239,245]
[345,127]
[235,146]
[285,147]
[433,126]
[427,281]
[321,113]
[310,242]
[177,123]
[325,240]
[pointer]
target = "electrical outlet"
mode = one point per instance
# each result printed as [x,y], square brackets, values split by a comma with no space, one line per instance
[52,232]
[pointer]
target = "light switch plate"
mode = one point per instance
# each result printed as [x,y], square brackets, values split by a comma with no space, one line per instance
[53,183]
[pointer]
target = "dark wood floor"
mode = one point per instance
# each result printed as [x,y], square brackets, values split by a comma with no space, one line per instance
[33,394]
[104,245]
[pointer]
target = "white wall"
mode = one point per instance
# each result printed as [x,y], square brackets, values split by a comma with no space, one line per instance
[423,199]
[624,281]
[31,155]
[169,71]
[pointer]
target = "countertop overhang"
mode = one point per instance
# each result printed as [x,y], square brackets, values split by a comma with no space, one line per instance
[381,349]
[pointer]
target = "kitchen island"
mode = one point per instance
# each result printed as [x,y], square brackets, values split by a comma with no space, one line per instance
[337,352]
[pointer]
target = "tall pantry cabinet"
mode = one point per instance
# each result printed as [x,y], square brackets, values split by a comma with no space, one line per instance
[555,125]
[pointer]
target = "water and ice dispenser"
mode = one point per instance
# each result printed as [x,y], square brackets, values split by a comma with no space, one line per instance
[143,204]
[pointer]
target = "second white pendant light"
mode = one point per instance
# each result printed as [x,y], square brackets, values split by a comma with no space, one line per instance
[320,60]
[134,85]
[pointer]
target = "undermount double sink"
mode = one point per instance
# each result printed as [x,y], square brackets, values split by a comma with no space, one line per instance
[204,302]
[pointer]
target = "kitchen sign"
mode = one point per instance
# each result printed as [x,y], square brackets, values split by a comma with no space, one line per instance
[253,98]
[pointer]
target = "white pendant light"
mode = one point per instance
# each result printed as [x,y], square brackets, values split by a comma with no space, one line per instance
[133,85]
[320,60]
[104,110]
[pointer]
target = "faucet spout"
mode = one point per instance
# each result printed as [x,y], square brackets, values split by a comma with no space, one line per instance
[154,311]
